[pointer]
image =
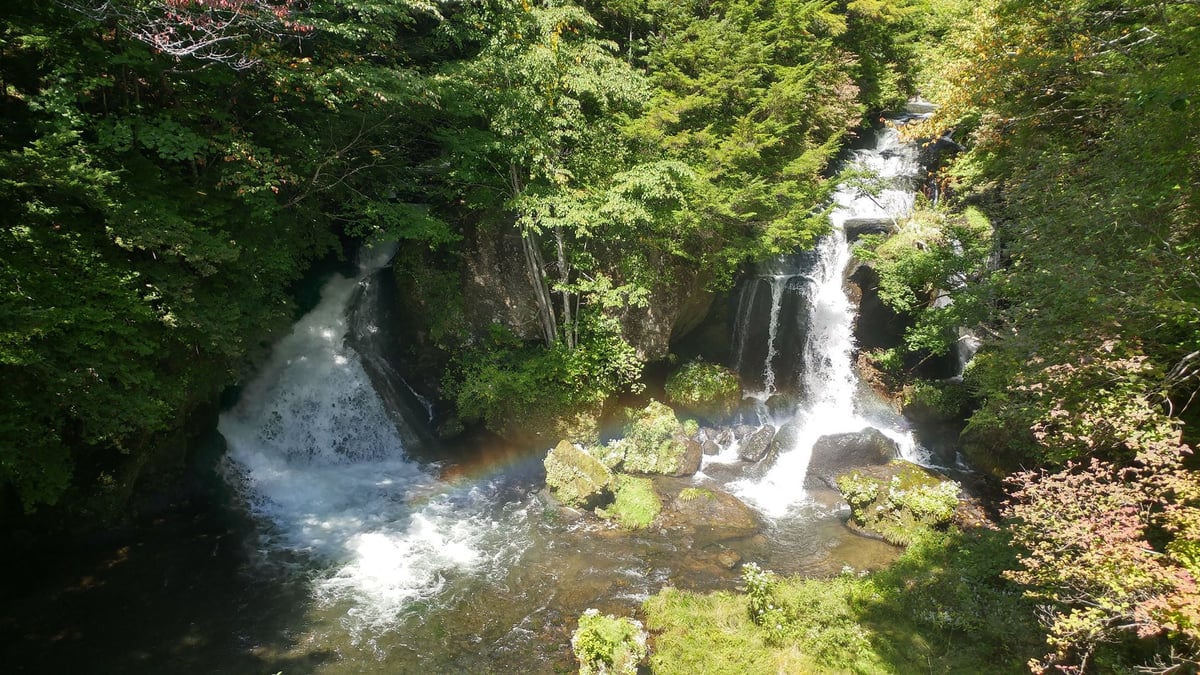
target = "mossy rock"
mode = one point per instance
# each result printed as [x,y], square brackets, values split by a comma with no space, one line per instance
[705,390]
[576,478]
[655,442]
[636,504]
[607,645]
[898,500]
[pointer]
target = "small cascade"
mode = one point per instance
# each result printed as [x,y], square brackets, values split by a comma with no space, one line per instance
[320,461]
[812,348]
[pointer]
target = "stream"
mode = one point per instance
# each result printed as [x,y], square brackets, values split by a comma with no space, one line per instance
[335,551]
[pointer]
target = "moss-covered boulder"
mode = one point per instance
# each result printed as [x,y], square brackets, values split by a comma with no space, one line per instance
[655,442]
[898,500]
[636,504]
[576,478]
[607,645]
[705,390]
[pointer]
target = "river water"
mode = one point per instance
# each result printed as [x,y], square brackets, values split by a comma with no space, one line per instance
[336,551]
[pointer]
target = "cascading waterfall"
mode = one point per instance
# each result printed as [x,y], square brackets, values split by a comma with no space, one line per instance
[318,459]
[834,400]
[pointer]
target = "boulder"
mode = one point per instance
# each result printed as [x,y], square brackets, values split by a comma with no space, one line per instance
[710,447]
[711,515]
[897,500]
[656,442]
[576,478]
[876,326]
[836,453]
[755,446]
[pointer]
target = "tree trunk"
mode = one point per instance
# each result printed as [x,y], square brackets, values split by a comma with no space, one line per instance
[570,330]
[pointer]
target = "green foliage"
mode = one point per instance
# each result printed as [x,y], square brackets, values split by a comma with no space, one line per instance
[934,253]
[636,504]
[512,386]
[705,389]
[901,502]
[942,606]
[653,442]
[607,644]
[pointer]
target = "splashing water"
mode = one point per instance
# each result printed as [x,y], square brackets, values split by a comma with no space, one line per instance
[316,457]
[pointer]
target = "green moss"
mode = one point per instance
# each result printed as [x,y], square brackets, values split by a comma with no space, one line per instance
[636,504]
[575,477]
[653,442]
[705,389]
[943,607]
[899,501]
[607,644]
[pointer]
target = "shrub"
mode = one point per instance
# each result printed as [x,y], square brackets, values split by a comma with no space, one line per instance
[705,389]
[607,644]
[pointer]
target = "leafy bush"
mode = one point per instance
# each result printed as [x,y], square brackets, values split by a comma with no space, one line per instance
[516,388]
[705,389]
[607,644]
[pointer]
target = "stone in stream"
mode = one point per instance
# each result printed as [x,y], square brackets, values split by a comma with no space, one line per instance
[835,453]
[709,515]
[755,446]
[576,478]
[655,442]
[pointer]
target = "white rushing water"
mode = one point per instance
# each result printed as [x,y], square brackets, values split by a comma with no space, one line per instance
[834,400]
[317,458]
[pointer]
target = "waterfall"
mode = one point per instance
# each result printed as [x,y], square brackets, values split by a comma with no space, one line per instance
[833,399]
[320,461]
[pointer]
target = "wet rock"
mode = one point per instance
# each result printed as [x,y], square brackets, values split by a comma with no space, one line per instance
[857,227]
[576,478]
[876,326]
[689,462]
[710,447]
[711,515]
[836,453]
[728,558]
[755,446]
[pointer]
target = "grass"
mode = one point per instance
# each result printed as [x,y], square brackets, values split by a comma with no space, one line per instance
[943,607]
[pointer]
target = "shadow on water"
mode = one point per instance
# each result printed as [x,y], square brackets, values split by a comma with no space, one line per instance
[175,594]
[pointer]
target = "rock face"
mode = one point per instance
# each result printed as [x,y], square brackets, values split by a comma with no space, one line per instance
[836,453]
[672,312]
[576,478]
[755,445]
[496,286]
[876,326]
